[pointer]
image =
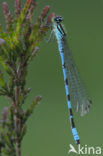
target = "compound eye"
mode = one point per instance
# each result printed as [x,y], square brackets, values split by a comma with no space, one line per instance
[60,18]
[56,19]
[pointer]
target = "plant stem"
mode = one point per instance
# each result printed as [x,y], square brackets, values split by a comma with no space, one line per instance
[18,128]
[0,152]
[19,149]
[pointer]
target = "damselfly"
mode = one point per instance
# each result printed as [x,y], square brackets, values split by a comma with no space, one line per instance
[75,90]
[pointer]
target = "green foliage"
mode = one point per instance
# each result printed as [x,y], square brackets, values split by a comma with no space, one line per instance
[2,82]
[18,47]
[30,110]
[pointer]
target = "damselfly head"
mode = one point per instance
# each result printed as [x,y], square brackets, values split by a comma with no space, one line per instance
[58,19]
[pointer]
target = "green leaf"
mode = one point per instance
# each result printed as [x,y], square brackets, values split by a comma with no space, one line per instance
[2,82]
[2,92]
[8,140]
[35,30]
[23,131]
[3,35]
[6,67]
[9,152]
[33,54]
[24,95]
[30,110]
[21,21]
[5,151]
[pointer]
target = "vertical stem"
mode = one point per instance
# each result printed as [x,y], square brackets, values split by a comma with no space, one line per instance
[19,149]
[18,122]
[0,152]
[17,128]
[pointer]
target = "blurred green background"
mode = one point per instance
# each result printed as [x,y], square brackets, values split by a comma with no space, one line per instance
[49,132]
